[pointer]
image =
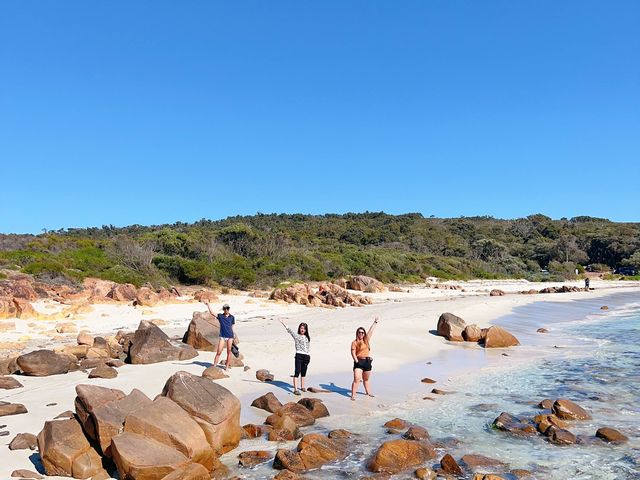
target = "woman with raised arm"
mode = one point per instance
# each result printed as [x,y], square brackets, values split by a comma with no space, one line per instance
[302,358]
[361,354]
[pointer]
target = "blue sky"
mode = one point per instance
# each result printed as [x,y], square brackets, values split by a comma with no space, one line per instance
[128,112]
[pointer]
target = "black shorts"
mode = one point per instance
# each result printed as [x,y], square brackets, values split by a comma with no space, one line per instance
[363,364]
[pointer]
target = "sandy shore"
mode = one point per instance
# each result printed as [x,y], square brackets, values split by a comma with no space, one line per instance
[401,347]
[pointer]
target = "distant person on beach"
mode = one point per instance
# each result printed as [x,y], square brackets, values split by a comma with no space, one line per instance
[302,358]
[361,354]
[226,333]
[586,283]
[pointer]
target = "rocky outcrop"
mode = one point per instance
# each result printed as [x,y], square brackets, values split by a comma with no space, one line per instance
[215,408]
[497,337]
[65,451]
[122,292]
[22,289]
[451,326]
[152,345]
[398,455]
[327,294]
[205,296]
[42,363]
[267,402]
[365,284]
[146,297]
[561,289]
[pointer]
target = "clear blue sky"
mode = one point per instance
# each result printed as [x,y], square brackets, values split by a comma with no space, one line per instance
[126,112]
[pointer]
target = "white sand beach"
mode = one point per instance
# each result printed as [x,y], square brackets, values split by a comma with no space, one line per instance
[401,341]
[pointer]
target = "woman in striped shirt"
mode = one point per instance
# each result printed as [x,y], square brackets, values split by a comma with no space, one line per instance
[302,359]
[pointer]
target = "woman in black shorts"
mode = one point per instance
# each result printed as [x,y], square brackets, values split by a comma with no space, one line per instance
[302,359]
[361,354]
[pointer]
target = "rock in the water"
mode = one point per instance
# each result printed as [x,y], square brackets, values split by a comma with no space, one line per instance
[315,406]
[560,436]
[567,410]
[24,441]
[251,458]
[296,412]
[416,432]
[103,371]
[547,404]
[313,451]
[450,466]
[215,408]
[264,375]
[513,425]
[611,435]
[340,433]
[451,326]
[427,380]
[9,383]
[139,457]
[152,345]
[252,430]
[42,363]
[398,455]
[472,333]
[166,422]
[65,451]
[425,473]
[474,461]
[542,330]
[497,337]
[267,402]
[7,408]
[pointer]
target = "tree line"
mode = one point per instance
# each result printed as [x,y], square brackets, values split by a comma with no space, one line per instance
[265,250]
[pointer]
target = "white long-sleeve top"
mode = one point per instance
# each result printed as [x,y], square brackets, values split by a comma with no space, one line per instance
[301,341]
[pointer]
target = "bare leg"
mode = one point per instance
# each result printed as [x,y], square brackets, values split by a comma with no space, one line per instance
[229,343]
[218,351]
[295,384]
[365,378]
[357,376]
[302,383]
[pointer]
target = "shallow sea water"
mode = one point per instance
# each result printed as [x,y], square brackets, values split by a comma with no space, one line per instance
[597,366]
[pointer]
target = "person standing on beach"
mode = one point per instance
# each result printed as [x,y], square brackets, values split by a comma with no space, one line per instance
[226,321]
[302,358]
[361,354]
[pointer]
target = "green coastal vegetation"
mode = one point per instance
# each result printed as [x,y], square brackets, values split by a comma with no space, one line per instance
[263,251]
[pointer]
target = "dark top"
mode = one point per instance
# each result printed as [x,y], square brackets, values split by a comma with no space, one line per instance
[226,325]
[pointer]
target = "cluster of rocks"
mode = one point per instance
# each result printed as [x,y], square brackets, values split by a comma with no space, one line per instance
[553,424]
[455,329]
[325,295]
[444,286]
[178,435]
[362,283]
[148,344]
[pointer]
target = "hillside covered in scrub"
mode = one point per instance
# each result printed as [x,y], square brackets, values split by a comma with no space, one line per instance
[264,250]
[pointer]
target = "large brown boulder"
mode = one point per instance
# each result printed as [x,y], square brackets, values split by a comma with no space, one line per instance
[123,292]
[7,409]
[497,337]
[203,332]
[267,402]
[215,408]
[103,412]
[451,326]
[147,297]
[561,436]
[315,406]
[472,333]
[42,363]
[567,410]
[166,422]
[139,457]
[152,345]
[397,455]
[65,451]
[365,284]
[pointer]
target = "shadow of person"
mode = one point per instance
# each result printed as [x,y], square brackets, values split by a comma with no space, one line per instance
[203,364]
[332,387]
[434,332]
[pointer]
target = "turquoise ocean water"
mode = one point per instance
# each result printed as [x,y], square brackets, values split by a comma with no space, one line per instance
[591,356]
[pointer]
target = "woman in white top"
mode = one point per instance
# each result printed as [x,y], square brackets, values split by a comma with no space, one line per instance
[302,359]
